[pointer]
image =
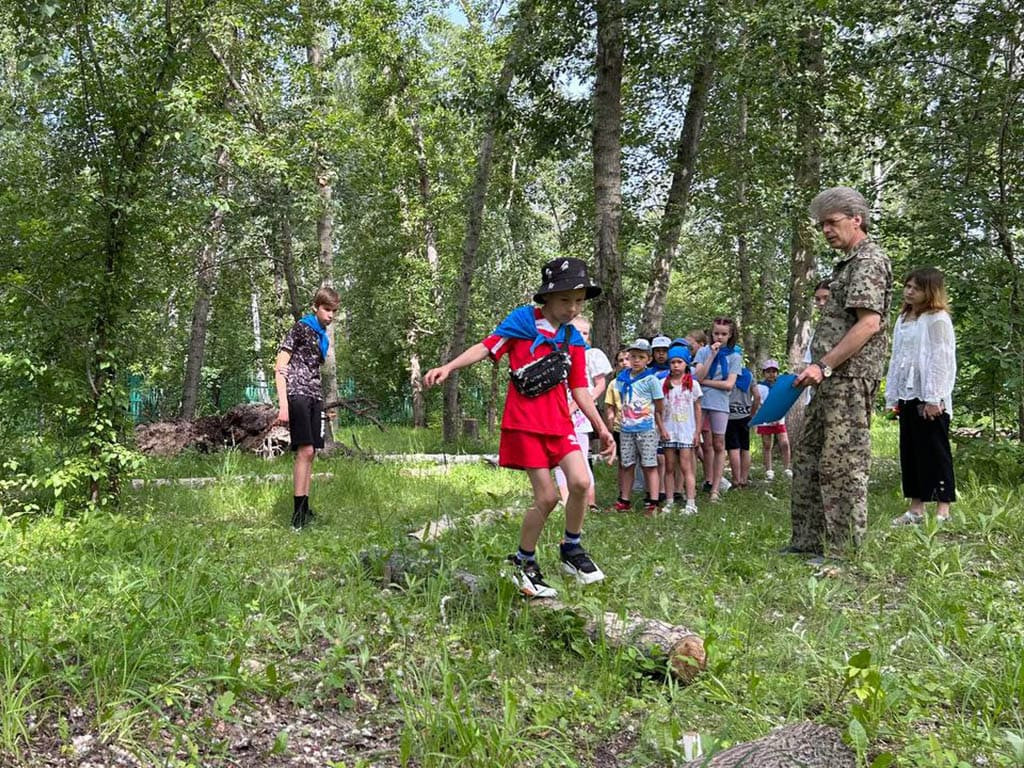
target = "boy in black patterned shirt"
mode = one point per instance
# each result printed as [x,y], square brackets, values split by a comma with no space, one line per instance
[300,398]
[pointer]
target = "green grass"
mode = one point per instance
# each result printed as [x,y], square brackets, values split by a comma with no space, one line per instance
[189,609]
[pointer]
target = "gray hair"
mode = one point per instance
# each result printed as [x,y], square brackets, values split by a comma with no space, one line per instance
[844,200]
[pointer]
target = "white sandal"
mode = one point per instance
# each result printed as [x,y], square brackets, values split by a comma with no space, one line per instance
[908,518]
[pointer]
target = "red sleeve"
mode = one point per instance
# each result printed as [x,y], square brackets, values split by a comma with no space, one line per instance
[578,371]
[496,345]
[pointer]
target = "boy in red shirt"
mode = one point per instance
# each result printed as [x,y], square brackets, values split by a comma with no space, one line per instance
[537,433]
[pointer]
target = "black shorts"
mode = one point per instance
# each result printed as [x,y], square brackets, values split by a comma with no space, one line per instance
[737,434]
[306,421]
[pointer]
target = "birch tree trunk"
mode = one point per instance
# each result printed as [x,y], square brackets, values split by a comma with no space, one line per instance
[207,272]
[607,151]
[325,217]
[419,402]
[679,191]
[475,220]
[807,181]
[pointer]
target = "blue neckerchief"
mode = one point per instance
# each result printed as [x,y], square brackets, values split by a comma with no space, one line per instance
[626,381]
[312,322]
[744,380]
[658,367]
[718,364]
[521,323]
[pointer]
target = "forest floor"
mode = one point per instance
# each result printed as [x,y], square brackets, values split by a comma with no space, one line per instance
[193,627]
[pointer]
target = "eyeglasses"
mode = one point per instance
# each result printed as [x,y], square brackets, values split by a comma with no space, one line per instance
[831,221]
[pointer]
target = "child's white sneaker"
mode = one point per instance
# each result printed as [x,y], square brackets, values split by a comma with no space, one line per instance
[788,473]
[769,474]
[690,508]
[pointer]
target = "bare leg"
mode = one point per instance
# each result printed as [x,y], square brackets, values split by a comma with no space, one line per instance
[578,481]
[302,471]
[718,444]
[671,464]
[766,452]
[545,496]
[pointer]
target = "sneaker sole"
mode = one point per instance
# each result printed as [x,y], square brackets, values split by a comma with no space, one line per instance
[528,589]
[583,578]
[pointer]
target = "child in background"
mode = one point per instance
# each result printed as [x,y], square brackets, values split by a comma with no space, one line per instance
[682,415]
[299,395]
[598,369]
[776,430]
[536,430]
[612,401]
[717,368]
[641,395]
[743,404]
[659,355]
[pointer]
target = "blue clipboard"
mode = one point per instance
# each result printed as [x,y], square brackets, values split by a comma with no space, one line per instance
[780,399]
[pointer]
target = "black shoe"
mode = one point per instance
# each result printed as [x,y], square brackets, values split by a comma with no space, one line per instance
[576,562]
[301,519]
[677,498]
[790,549]
[706,487]
[528,578]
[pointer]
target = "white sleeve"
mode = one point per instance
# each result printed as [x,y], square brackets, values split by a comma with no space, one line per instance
[890,376]
[938,360]
[597,363]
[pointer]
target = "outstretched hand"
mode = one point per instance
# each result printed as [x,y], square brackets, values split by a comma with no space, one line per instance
[607,446]
[435,376]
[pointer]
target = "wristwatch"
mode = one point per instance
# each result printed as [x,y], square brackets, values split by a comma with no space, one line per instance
[826,370]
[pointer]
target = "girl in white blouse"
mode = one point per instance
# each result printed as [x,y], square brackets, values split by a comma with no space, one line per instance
[919,387]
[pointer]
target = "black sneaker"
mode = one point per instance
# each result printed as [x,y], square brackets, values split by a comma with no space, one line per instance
[706,487]
[528,578]
[577,562]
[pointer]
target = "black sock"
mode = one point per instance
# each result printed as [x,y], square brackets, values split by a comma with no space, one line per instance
[305,507]
[299,514]
[526,557]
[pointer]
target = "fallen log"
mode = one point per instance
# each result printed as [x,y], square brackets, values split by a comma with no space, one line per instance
[251,427]
[807,745]
[680,649]
[201,482]
[435,528]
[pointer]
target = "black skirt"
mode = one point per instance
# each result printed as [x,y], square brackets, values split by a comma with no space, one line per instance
[926,460]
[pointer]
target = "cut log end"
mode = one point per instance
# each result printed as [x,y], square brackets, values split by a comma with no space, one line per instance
[687,658]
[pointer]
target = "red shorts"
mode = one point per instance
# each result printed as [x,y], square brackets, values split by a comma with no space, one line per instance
[528,450]
[771,429]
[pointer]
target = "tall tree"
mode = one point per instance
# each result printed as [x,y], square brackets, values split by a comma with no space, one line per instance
[476,201]
[607,163]
[683,168]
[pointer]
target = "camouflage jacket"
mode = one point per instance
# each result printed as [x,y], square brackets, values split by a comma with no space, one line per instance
[861,280]
[303,376]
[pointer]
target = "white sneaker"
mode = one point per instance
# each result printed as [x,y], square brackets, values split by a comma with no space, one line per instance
[788,472]
[724,484]
[690,508]
[769,474]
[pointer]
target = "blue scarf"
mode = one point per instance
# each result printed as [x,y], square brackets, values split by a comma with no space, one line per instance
[719,364]
[312,322]
[626,381]
[521,323]
[658,367]
[744,380]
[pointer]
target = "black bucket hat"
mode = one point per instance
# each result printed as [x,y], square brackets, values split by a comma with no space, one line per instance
[565,274]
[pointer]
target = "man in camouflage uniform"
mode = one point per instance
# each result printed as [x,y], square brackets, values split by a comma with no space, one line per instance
[849,350]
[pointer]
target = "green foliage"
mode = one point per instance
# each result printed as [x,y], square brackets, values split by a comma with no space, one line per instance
[174,622]
[998,462]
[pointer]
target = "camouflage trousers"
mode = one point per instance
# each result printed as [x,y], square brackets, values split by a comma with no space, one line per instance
[829,509]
